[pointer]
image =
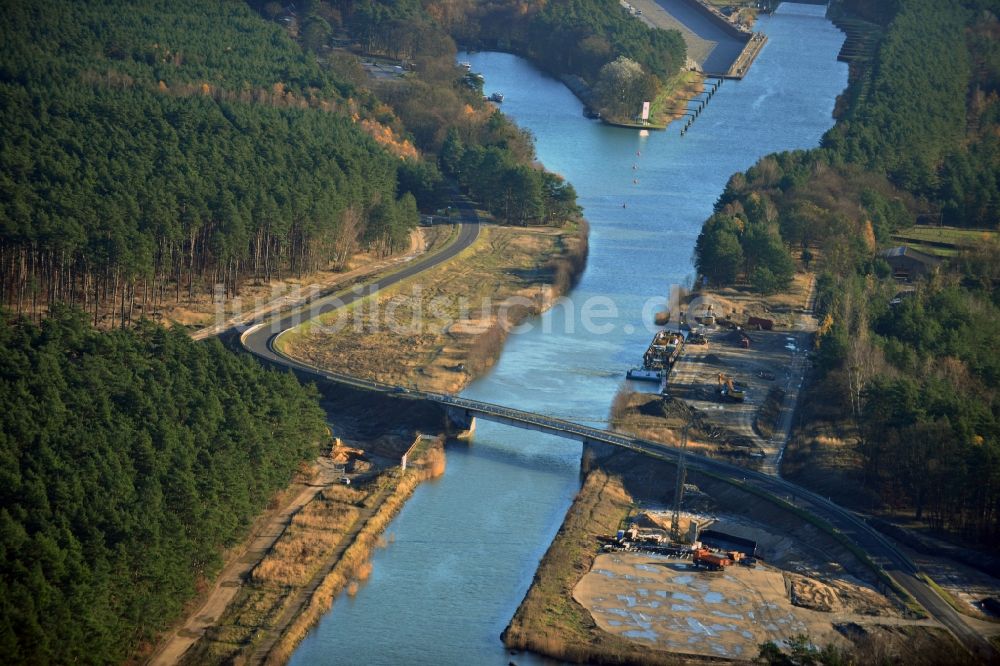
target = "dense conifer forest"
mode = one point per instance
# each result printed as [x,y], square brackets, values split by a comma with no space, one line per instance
[148,151]
[911,378]
[152,148]
[129,460]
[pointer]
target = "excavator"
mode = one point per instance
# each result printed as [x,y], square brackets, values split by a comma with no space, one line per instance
[727,389]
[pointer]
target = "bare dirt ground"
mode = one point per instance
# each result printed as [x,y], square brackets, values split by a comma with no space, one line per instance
[966,585]
[771,373]
[669,603]
[589,606]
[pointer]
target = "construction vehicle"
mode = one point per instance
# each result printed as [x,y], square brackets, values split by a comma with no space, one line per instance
[709,560]
[727,389]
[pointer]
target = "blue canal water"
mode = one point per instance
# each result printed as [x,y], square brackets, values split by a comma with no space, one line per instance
[466,546]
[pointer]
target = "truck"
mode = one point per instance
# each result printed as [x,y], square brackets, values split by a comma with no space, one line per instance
[711,561]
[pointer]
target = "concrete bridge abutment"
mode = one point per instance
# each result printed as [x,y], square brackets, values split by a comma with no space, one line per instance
[461,424]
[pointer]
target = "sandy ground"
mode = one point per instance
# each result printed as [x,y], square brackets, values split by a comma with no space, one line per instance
[228,583]
[670,604]
[775,359]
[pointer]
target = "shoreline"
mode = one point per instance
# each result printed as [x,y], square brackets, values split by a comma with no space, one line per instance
[582,91]
[346,568]
[274,607]
[456,349]
[678,91]
[556,619]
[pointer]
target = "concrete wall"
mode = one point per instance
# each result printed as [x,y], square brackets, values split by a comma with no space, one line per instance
[719,20]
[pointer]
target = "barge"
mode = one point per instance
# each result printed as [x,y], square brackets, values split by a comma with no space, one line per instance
[645,375]
[663,350]
[659,358]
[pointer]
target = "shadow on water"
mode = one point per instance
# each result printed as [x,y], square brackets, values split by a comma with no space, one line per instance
[467,545]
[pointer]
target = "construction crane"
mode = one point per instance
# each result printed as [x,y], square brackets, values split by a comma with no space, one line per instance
[675,519]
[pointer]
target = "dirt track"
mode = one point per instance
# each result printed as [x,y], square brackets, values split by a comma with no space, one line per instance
[228,583]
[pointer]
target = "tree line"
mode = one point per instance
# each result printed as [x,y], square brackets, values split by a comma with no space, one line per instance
[573,37]
[129,460]
[475,145]
[596,41]
[162,149]
[911,376]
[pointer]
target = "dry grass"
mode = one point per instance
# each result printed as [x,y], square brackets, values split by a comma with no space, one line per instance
[767,419]
[447,326]
[345,494]
[314,533]
[364,571]
[355,563]
[549,621]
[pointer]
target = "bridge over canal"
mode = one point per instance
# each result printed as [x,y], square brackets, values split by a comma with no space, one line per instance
[896,569]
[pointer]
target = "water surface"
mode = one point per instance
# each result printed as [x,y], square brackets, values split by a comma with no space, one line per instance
[467,545]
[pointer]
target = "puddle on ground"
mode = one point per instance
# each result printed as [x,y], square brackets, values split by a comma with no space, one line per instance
[696,618]
[731,616]
[698,626]
[723,627]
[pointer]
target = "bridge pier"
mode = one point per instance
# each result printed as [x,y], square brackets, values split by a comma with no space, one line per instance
[461,424]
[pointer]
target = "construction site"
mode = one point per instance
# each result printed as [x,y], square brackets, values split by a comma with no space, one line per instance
[700,568]
[731,376]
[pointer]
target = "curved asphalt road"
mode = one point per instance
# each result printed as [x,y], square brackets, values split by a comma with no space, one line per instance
[259,340]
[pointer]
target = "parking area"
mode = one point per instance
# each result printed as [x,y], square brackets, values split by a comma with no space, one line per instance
[766,368]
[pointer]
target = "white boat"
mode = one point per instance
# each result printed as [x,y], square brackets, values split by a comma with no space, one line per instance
[644,374]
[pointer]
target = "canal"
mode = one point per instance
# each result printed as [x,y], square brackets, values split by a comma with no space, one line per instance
[464,549]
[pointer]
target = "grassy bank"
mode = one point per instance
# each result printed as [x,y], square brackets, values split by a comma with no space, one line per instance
[443,328]
[355,565]
[669,105]
[325,549]
[549,621]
